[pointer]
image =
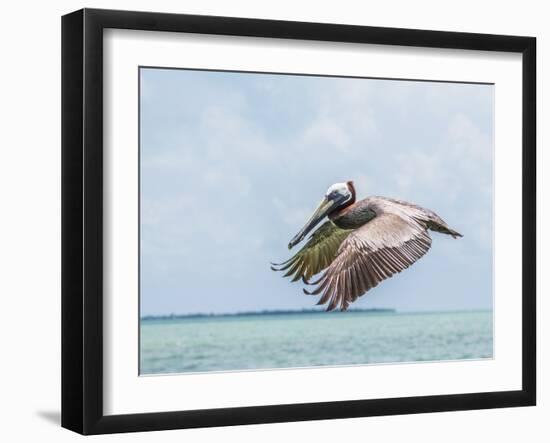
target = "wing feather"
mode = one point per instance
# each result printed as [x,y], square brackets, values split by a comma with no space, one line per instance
[384,246]
[316,254]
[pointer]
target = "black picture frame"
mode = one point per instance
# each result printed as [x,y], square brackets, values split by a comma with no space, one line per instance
[82,218]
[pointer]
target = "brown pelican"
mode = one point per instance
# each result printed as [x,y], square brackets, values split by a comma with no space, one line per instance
[361,244]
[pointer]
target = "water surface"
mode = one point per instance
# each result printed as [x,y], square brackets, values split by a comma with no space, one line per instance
[263,341]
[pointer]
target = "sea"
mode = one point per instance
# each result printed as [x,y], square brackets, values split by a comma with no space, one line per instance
[297,340]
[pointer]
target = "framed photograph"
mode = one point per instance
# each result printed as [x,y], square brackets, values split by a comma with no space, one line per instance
[269,221]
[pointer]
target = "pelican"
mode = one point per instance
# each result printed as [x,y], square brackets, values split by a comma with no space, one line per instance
[361,244]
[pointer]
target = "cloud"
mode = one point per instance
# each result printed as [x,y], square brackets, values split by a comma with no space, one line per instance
[233,165]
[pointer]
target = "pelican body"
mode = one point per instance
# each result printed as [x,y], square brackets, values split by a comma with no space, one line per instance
[361,244]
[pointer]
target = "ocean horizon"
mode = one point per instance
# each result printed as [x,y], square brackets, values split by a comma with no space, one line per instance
[269,312]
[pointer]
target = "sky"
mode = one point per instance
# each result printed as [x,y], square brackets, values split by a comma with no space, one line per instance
[233,164]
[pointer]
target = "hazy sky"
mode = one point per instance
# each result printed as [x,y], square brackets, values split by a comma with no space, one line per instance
[233,164]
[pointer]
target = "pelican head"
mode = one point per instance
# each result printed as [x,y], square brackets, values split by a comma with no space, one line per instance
[338,196]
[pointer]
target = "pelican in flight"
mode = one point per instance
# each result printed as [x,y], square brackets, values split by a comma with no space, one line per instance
[361,244]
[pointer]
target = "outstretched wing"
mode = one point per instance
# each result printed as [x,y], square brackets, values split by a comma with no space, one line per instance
[316,254]
[377,250]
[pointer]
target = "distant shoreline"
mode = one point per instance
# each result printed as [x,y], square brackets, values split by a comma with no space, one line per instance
[300,312]
[266,312]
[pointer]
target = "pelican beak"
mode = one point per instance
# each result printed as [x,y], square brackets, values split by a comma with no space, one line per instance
[321,211]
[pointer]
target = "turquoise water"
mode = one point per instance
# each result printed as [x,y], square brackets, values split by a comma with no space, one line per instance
[300,340]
